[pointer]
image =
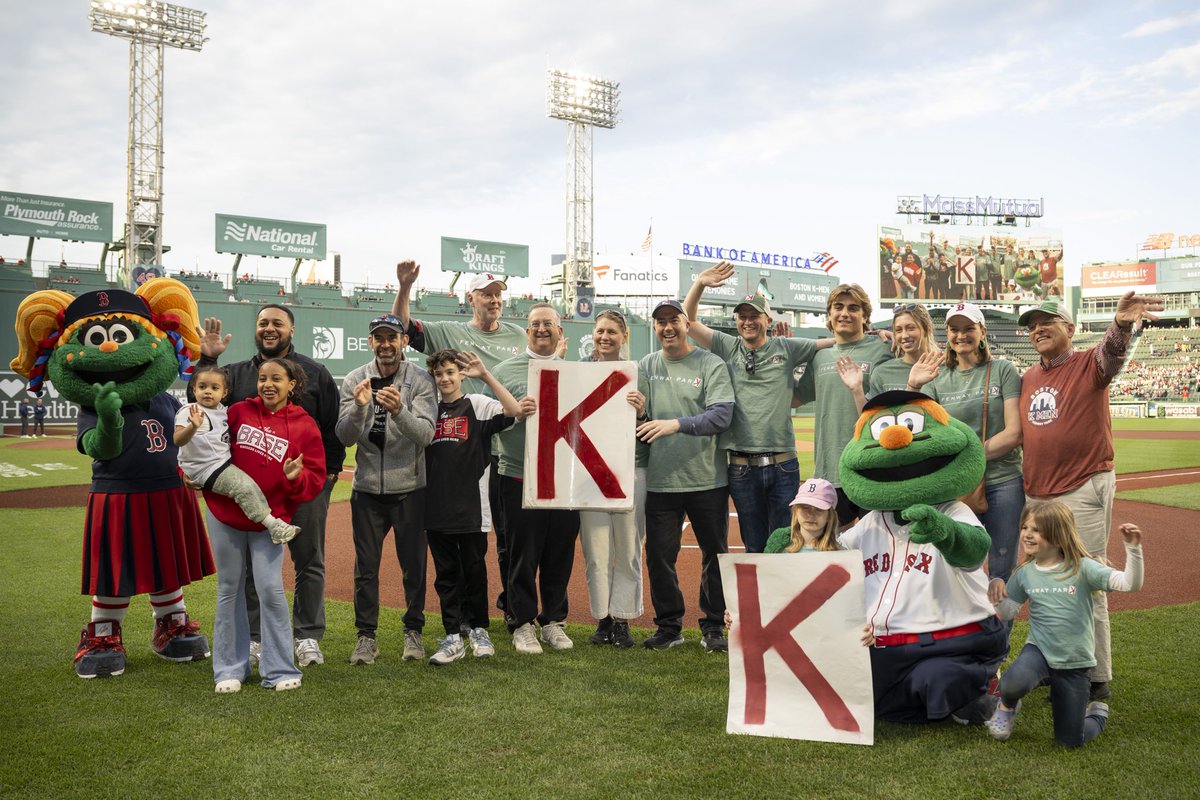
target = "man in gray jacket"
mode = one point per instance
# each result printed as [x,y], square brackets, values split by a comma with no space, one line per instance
[388,409]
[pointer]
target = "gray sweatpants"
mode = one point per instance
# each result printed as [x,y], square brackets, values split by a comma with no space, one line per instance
[239,487]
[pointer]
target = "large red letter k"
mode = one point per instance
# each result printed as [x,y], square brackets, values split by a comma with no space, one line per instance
[757,639]
[551,429]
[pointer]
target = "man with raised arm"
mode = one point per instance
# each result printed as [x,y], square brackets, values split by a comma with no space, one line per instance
[494,340]
[764,474]
[1067,432]
[848,316]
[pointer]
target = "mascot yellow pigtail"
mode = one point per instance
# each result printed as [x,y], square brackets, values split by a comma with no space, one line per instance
[38,327]
[173,310]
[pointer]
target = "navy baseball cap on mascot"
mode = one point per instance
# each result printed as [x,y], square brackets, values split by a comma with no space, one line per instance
[115,353]
[938,642]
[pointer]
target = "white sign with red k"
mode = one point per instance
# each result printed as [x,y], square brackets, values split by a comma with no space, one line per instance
[797,666]
[579,444]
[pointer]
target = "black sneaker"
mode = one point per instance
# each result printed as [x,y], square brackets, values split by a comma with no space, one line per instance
[663,640]
[603,634]
[1100,691]
[714,641]
[620,634]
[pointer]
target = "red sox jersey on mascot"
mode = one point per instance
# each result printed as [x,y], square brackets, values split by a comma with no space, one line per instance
[115,353]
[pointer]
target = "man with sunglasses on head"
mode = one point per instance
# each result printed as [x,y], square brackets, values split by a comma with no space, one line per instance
[1067,432]
[494,340]
[764,474]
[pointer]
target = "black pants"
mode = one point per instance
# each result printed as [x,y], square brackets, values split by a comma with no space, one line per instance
[496,501]
[708,512]
[541,551]
[460,578]
[372,516]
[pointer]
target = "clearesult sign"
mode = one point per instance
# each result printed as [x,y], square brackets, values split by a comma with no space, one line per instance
[55,217]
[476,255]
[257,236]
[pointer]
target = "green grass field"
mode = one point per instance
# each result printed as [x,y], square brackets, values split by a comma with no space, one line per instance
[594,722]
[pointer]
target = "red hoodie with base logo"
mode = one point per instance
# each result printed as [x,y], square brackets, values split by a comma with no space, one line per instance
[259,442]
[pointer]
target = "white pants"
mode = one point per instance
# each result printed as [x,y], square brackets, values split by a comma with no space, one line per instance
[1092,503]
[612,550]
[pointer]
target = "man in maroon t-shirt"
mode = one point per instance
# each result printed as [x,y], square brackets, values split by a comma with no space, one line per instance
[1067,433]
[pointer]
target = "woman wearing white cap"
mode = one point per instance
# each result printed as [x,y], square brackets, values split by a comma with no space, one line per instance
[959,386]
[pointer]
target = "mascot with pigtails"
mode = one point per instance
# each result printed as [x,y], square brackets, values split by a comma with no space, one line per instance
[115,353]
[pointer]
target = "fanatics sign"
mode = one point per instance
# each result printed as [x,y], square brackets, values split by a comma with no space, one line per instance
[581,440]
[797,666]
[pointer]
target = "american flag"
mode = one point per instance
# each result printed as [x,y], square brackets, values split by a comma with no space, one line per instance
[648,242]
[826,261]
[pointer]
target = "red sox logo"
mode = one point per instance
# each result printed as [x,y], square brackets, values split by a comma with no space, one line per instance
[102,299]
[154,434]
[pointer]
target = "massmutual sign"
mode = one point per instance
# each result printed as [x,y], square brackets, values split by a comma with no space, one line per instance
[255,236]
[971,206]
[476,255]
[55,217]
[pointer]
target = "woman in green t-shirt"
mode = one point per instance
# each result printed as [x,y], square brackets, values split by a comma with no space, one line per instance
[959,386]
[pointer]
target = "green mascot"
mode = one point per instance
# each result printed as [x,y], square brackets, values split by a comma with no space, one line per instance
[938,642]
[115,353]
[1029,279]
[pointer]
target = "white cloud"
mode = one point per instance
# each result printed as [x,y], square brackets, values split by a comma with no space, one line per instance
[1164,25]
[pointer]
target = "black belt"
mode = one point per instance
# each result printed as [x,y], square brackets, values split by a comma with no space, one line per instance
[759,459]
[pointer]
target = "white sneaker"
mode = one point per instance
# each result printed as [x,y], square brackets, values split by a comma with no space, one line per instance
[414,649]
[365,651]
[308,652]
[449,649]
[229,686]
[554,635]
[255,654]
[525,640]
[290,683]
[481,643]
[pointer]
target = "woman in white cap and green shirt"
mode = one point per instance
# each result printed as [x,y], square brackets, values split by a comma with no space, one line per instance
[958,386]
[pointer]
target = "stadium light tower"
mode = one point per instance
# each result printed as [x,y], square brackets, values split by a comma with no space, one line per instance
[584,103]
[149,26]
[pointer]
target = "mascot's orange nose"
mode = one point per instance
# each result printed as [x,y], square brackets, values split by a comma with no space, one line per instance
[108,347]
[893,437]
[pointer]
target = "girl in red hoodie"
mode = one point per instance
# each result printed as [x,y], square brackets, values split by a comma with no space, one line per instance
[276,443]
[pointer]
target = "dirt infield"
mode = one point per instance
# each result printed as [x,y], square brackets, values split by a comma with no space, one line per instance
[1172,545]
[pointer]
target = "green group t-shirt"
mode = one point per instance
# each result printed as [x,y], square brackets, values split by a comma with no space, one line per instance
[677,388]
[1060,610]
[762,419]
[890,376]
[960,392]
[513,375]
[492,347]
[836,410]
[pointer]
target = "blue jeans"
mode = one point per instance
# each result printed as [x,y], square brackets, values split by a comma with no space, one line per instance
[235,551]
[1069,692]
[1006,501]
[761,496]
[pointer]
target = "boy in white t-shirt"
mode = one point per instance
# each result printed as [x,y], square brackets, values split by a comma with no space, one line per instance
[202,436]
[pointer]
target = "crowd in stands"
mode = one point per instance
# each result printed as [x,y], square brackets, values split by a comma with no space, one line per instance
[1145,381]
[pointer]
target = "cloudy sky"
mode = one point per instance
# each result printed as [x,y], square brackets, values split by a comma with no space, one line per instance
[778,126]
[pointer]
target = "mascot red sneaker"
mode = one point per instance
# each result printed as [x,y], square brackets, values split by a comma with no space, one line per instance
[115,353]
[938,642]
